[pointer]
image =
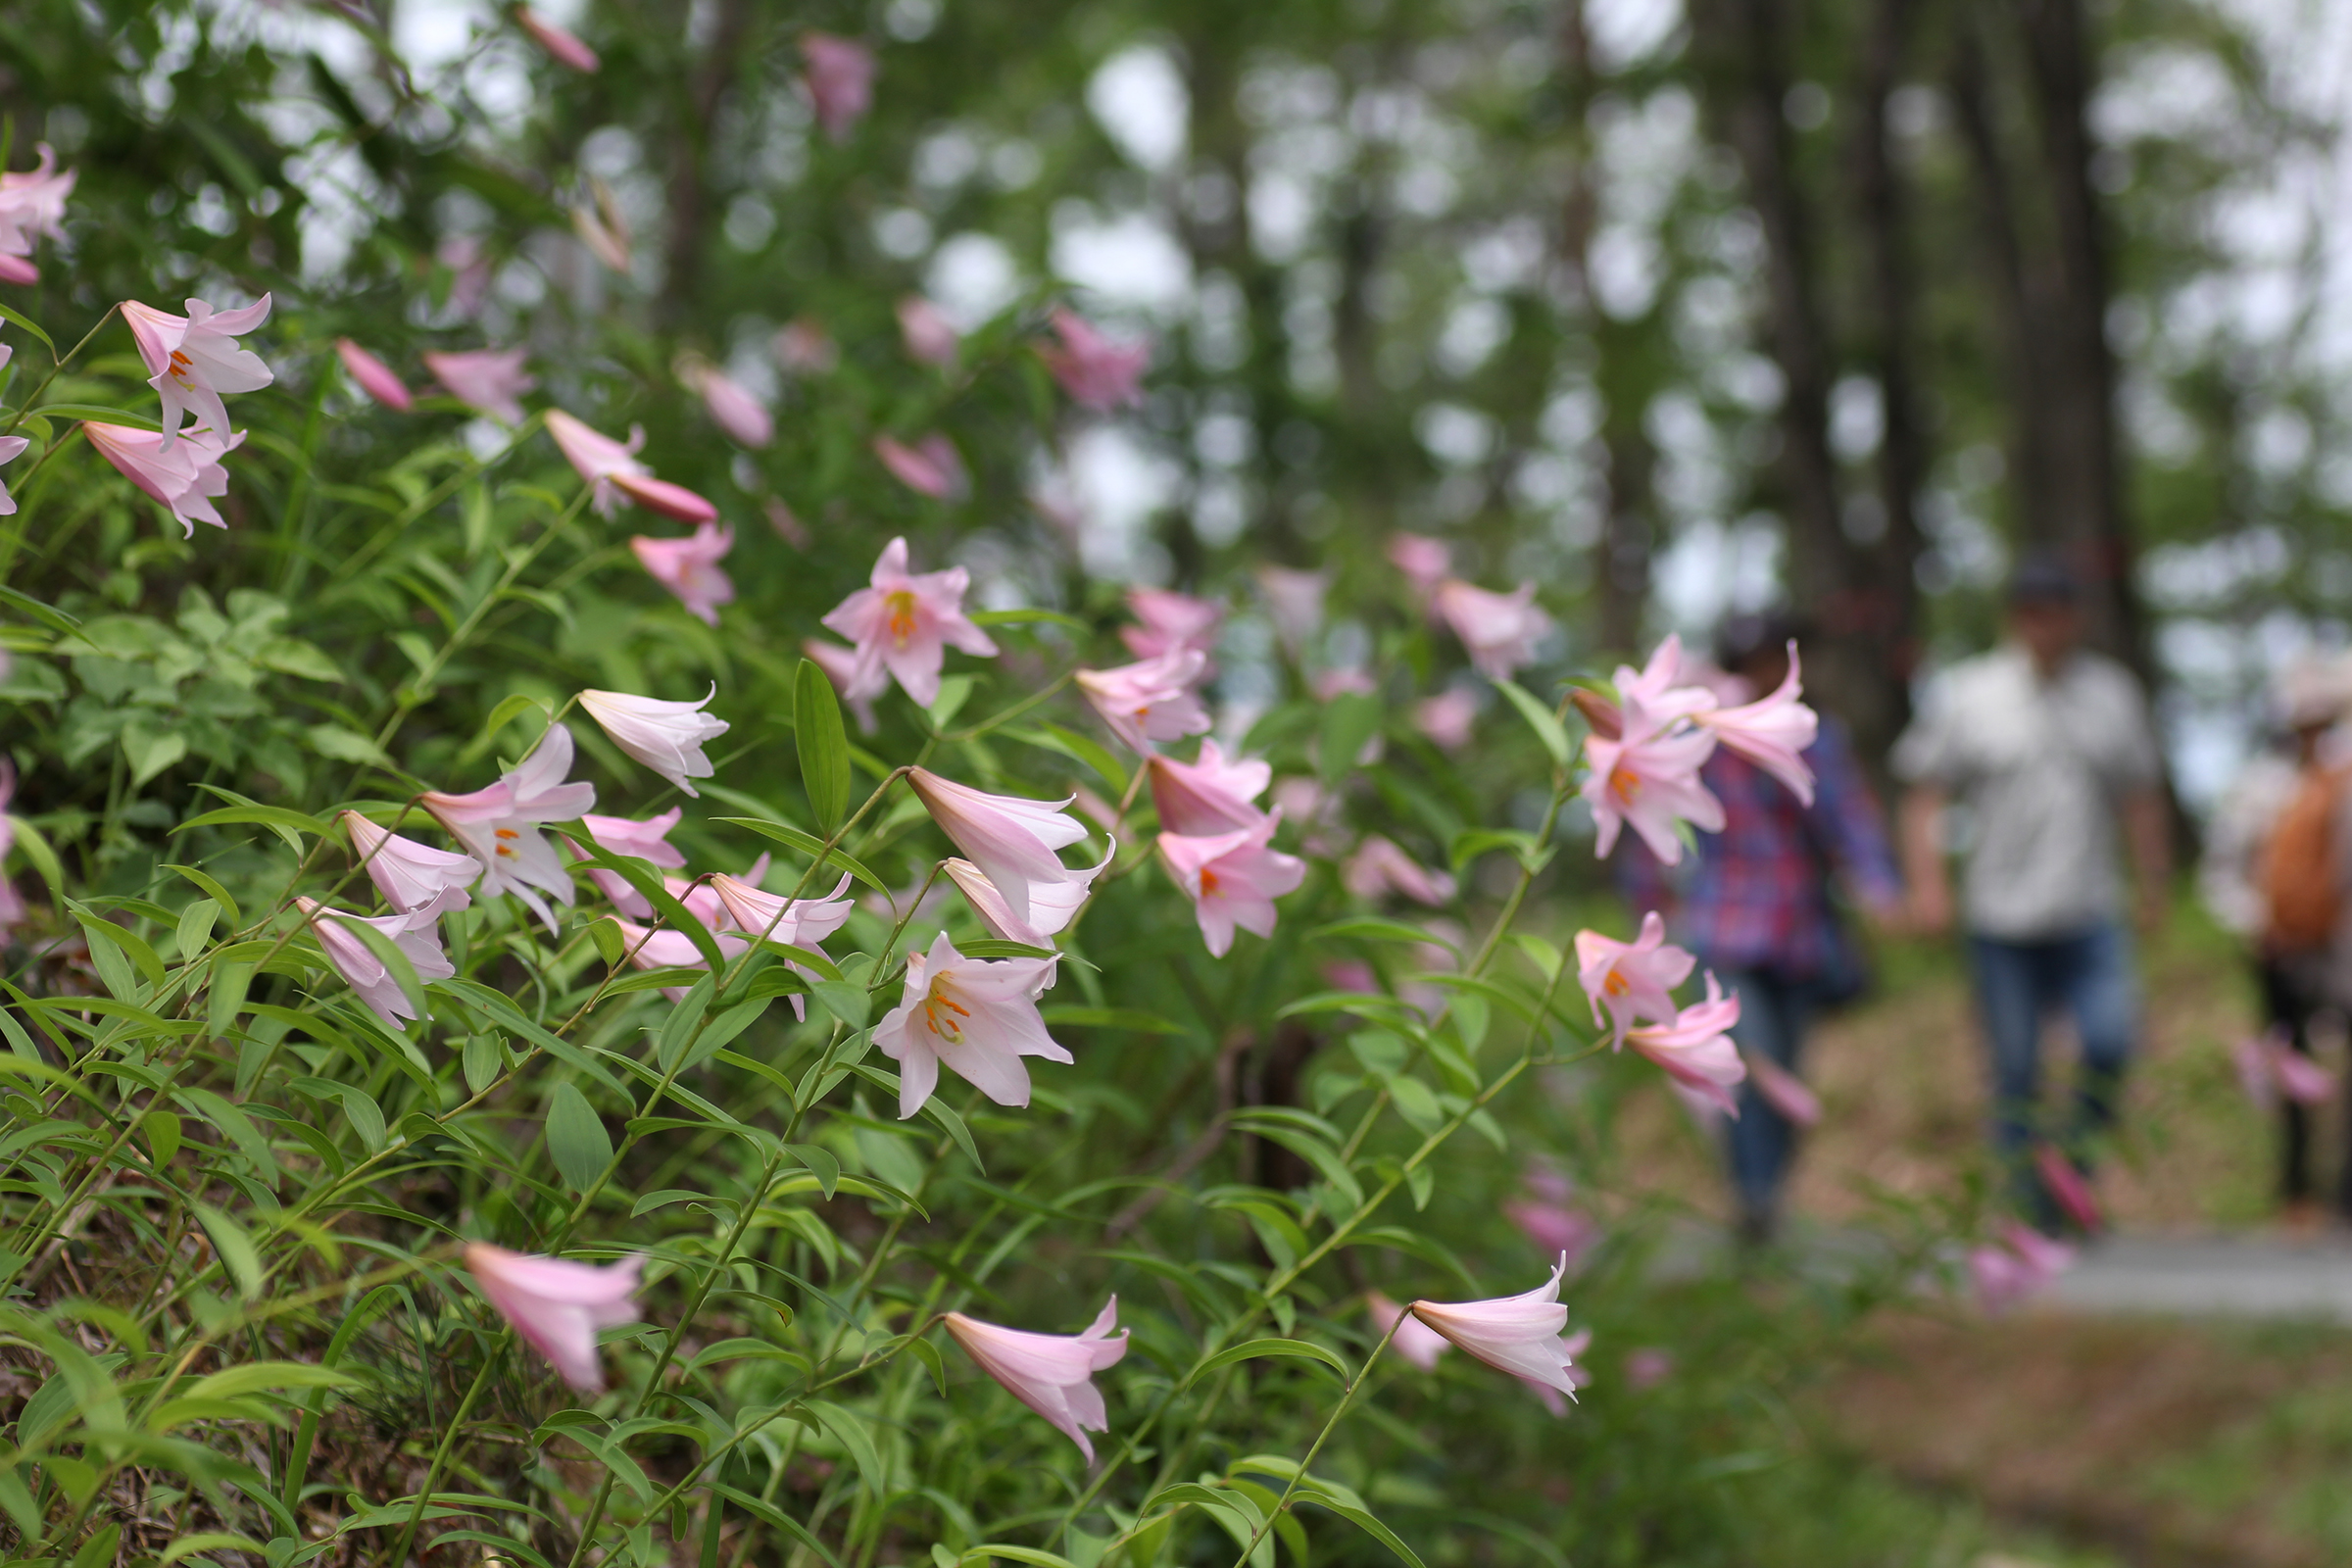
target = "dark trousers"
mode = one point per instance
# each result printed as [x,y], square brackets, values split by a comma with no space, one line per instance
[1773,1010]
[2289,1006]
[2090,975]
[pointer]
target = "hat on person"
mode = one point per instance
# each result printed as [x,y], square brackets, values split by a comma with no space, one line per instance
[2043,578]
[2313,691]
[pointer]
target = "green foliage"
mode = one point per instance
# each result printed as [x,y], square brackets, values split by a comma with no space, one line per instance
[237,1319]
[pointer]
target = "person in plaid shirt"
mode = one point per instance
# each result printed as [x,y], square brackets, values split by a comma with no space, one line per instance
[1760,903]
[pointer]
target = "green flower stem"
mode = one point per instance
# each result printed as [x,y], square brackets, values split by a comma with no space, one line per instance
[449,1441]
[1036,699]
[669,1345]
[1354,1384]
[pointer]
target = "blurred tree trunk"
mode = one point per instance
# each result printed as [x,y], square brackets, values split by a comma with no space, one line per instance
[2048,253]
[1621,557]
[1893,287]
[2088,499]
[689,184]
[2023,344]
[1744,48]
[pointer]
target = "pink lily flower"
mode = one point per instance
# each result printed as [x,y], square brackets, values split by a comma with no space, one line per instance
[1425,561]
[769,917]
[1648,1367]
[666,737]
[1210,795]
[1052,905]
[1412,1338]
[1696,1049]
[2021,1263]
[192,359]
[1500,631]
[498,824]
[32,204]
[673,950]
[1649,783]
[789,529]
[185,477]
[1050,1373]
[1294,602]
[689,567]
[468,262]
[640,840]
[1447,718]
[794,922]
[930,468]
[12,447]
[2299,1078]
[644,839]
[1150,700]
[1333,683]
[840,80]
[1572,1346]
[604,231]
[1772,732]
[733,409]
[1012,840]
[1377,867]
[1233,879]
[901,622]
[802,347]
[1784,1091]
[839,666]
[12,904]
[417,937]
[1170,620]
[1095,370]
[1632,980]
[976,1016]
[1516,1334]
[489,382]
[557,1305]
[373,376]
[930,337]
[1659,692]
[414,878]
[611,467]
[562,46]
[2067,1186]
[1564,1232]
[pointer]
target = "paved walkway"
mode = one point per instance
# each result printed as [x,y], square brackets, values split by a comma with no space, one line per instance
[2217,1276]
[2251,1276]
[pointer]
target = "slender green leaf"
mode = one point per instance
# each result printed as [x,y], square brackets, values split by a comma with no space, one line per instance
[823,746]
[576,1139]
[1257,1349]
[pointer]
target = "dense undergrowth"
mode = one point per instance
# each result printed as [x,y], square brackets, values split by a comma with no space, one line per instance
[248,1312]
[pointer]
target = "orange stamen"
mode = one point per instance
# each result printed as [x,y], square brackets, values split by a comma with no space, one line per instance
[902,616]
[937,999]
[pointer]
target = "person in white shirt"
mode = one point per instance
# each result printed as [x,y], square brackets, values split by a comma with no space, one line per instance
[2048,748]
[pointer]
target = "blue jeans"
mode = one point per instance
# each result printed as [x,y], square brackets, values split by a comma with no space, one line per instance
[2089,974]
[1773,1010]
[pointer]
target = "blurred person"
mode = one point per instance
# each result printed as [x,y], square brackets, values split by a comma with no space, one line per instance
[2277,873]
[2050,749]
[1761,901]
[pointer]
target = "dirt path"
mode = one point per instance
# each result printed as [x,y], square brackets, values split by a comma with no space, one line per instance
[1901,1082]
